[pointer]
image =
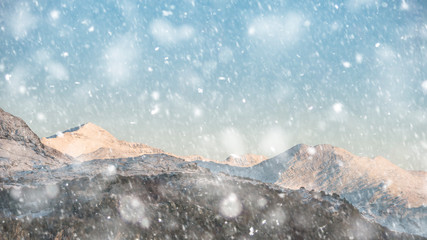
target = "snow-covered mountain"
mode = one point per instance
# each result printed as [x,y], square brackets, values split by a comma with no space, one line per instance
[392,196]
[384,192]
[246,160]
[89,141]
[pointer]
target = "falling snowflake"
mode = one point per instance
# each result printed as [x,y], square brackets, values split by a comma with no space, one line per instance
[338,107]
[230,206]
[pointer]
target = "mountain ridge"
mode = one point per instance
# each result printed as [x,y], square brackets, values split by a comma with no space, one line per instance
[22,150]
[92,139]
[381,190]
[377,187]
[89,141]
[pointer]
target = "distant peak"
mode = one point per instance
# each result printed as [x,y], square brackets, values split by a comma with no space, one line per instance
[321,150]
[297,148]
[89,126]
[233,155]
[73,129]
[245,159]
[320,147]
[317,150]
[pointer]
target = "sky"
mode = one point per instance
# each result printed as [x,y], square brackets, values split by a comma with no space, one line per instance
[223,77]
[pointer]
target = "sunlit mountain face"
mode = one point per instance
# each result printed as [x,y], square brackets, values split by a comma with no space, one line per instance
[221,77]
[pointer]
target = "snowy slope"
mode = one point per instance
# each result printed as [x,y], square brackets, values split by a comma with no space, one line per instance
[90,141]
[384,192]
[267,171]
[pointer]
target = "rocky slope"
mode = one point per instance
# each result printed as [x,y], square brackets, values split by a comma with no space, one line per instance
[163,197]
[22,150]
[381,190]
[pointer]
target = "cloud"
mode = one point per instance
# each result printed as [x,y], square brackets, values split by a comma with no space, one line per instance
[393,76]
[225,55]
[232,141]
[276,30]
[357,4]
[21,21]
[188,78]
[273,141]
[54,14]
[54,69]
[167,34]
[424,86]
[404,5]
[120,58]
[338,112]
[17,80]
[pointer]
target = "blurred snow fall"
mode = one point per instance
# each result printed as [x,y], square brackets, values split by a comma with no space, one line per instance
[221,77]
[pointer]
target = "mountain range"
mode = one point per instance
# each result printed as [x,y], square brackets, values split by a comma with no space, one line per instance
[92,177]
[89,141]
[382,191]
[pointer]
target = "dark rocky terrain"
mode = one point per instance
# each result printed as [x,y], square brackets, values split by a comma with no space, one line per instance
[161,197]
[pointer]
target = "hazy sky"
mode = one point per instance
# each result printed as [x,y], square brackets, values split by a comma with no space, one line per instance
[221,77]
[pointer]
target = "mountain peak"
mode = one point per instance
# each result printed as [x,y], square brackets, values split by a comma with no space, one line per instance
[90,125]
[82,129]
[93,130]
[90,141]
[14,128]
[330,168]
[246,160]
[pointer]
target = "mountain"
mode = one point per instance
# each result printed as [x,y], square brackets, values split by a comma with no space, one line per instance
[89,142]
[246,160]
[157,196]
[22,150]
[392,196]
[183,203]
[383,192]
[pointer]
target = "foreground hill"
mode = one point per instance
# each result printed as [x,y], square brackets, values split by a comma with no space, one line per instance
[390,195]
[162,197]
[21,149]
